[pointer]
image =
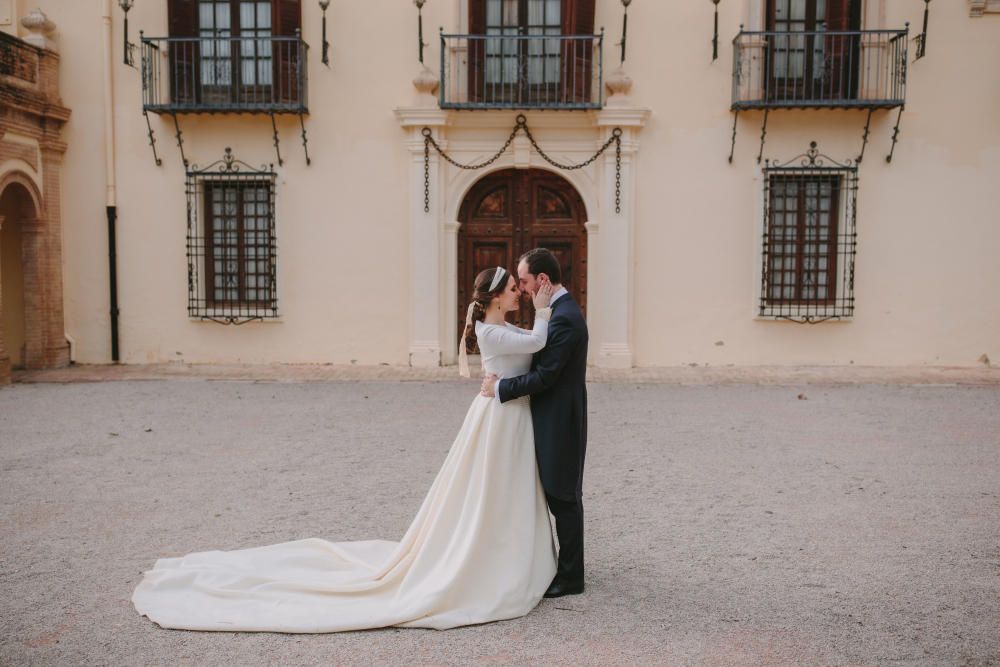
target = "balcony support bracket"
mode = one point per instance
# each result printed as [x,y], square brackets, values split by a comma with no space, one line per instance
[180,140]
[732,145]
[763,133]
[895,135]
[305,140]
[277,145]
[152,139]
[864,137]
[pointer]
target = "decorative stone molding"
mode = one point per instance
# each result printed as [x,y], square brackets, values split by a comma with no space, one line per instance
[15,150]
[570,137]
[10,174]
[619,84]
[979,7]
[426,82]
[613,296]
[40,28]
[31,151]
[426,247]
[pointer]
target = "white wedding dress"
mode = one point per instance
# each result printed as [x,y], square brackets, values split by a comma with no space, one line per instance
[480,548]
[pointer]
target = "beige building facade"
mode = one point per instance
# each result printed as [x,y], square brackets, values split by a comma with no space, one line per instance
[326,212]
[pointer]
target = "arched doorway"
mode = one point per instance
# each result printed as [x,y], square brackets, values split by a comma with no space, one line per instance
[509,212]
[15,206]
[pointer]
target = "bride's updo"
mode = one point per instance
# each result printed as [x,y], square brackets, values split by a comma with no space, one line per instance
[481,297]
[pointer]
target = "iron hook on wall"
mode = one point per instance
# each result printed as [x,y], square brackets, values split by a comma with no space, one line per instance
[715,35]
[922,37]
[625,3]
[324,4]
[420,27]
[127,46]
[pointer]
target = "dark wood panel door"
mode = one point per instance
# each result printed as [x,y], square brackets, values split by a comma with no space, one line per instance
[510,212]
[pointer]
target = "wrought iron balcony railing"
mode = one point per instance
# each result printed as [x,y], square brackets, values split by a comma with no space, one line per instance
[521,71]
[259,74]
[860,69]
[18,59]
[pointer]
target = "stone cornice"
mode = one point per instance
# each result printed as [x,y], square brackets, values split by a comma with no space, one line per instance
[409,117]
[32,104]
[421,116]
[53,146]
[979,7]
[623,116]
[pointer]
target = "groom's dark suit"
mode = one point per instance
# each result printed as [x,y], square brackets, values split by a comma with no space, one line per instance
[558,390]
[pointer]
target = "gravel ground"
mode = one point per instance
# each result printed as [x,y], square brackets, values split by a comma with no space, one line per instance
[726,524]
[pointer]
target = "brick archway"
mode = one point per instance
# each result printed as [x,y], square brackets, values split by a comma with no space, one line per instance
[31,151]
[31,309]
[19,203]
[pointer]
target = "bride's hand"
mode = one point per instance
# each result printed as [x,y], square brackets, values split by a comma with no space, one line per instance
[543,296]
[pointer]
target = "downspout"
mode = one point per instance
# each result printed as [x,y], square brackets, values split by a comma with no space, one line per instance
[111,207]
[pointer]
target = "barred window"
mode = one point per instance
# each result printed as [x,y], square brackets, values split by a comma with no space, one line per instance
[231,243]
[809,239]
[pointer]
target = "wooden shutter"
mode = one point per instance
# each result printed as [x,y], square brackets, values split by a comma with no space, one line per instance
[840,76]
[477,17]
[580,14]
[286,21]
[287,17]
[578,60]
[182,18]
[476,52]
[182,21]
[840,15]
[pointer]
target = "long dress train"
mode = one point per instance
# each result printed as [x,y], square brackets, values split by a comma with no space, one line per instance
[479,549]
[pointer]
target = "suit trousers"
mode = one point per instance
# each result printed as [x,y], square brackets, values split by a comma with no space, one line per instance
[569,531]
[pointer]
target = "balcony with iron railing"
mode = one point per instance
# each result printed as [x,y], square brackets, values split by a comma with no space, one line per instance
[246,74]
[819,69]
[519,71]
[18,60]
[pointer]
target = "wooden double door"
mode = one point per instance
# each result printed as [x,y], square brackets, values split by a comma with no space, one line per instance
[510,212]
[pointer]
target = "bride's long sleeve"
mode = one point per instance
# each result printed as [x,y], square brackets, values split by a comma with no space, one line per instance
[495,340]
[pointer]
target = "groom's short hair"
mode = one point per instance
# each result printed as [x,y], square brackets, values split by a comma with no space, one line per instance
[541,260]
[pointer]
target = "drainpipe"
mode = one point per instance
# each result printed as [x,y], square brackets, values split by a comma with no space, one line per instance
[110,203]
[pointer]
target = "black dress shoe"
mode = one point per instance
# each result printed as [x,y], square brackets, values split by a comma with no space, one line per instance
[557,589]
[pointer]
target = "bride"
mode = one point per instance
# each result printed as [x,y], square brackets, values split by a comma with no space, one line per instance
[480,548]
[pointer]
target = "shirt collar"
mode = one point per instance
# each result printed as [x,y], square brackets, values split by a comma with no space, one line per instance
[558,293]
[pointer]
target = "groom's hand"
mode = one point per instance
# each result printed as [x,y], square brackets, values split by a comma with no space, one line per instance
[489,384]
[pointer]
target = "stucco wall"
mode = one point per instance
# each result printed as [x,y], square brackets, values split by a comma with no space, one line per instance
[927,268]
[927,259]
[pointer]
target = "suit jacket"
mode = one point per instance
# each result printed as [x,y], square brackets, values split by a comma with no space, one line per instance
[558,390]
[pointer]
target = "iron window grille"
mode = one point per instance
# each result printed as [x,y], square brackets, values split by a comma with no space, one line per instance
[231,243]
[810,238]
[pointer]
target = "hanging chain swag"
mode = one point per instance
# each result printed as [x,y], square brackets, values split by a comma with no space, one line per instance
[522,126]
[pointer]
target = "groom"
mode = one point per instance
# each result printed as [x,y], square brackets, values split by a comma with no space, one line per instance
[557,386]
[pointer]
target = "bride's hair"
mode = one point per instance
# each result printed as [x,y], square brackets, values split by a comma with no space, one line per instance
[481,297]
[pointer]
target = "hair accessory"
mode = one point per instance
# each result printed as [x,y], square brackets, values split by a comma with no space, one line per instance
[463,356]
[497,277]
